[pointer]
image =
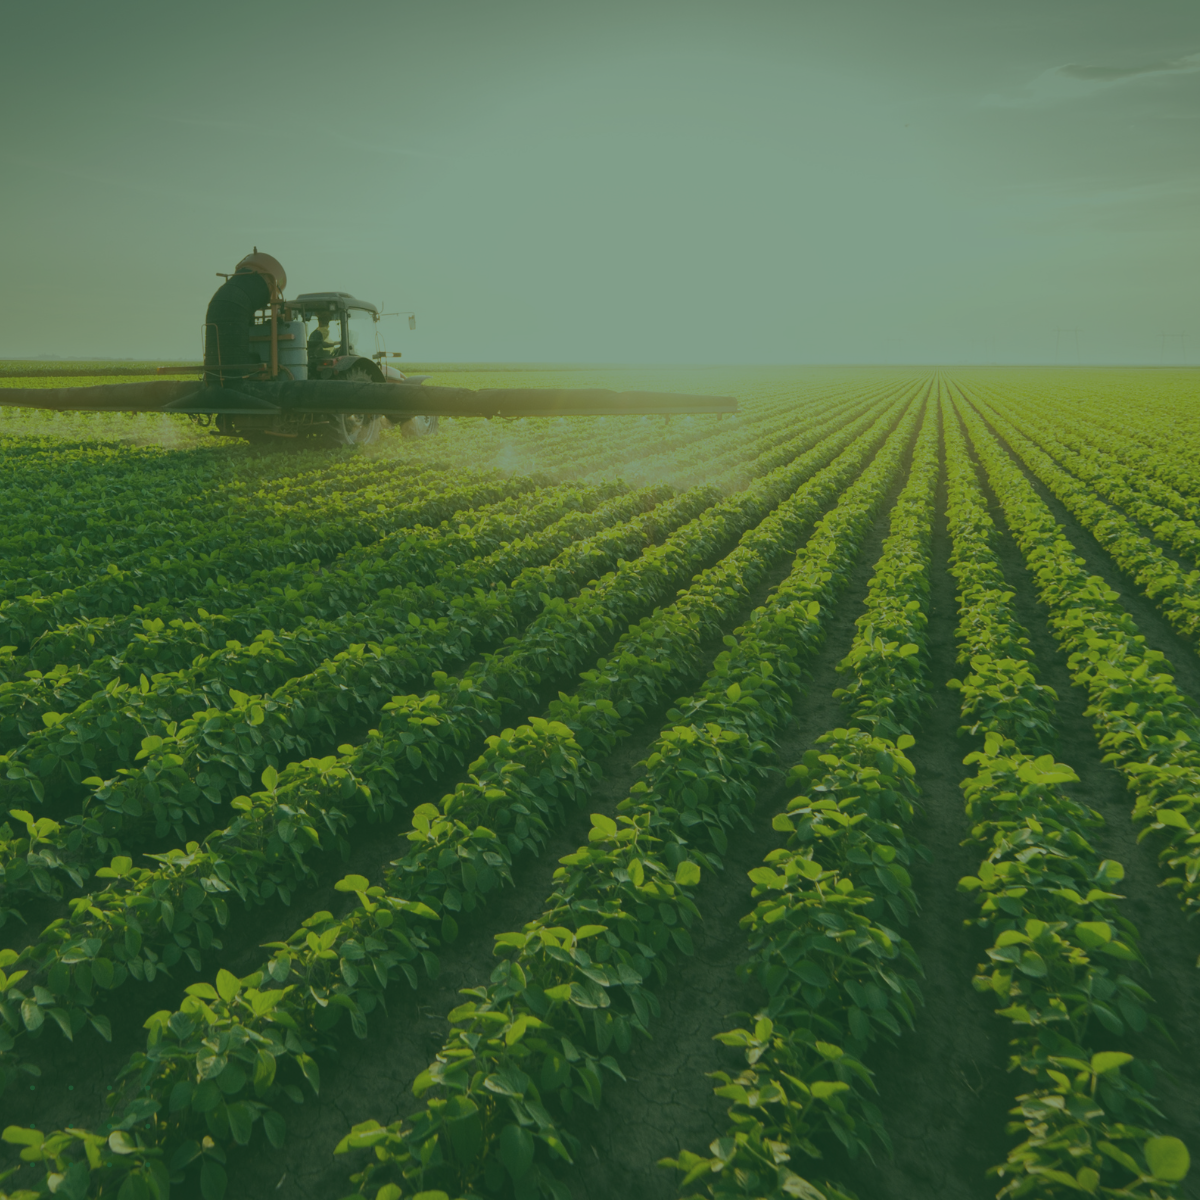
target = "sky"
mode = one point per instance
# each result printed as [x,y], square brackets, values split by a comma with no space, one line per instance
[632,181]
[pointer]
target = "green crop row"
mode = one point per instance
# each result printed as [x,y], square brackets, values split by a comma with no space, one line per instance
[400,652]
[1160,447]
[421,874]
[233,535]
[424,554]
[1119,452]
[100,496]
[147,919]
[143,920]
[1174,591]
[190,665]
[157,588]
[733,452]
[298,598]
[279,528]
[103,729]
[836,973]
[1062,952]
[525,1050]
[224,749]
[1126,488]
[186,773]
[1146,725]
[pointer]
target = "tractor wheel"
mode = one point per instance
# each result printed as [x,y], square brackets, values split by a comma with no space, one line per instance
[418,427]
[353,429]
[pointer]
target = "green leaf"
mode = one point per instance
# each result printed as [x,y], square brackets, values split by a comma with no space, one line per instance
[241,1121]
[264,1071]
[1118,1155]
[687,873]
[1167,1158]
[1109,1060]
[206,1097]
[119,1142]
[134,1187]
[824,1088]
[1033,964]
[275,1127]
[352,883]
[228,985]
[508,1081]
[516,1151]
[1171,817]
[15,1135]
[810,972]
[311,1071]
[764,877]
[1093,933]
[602,827]
[212,1180]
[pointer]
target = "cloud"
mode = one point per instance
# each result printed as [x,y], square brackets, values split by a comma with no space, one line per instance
[1076,81]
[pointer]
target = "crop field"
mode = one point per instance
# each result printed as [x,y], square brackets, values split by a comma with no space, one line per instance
[800,803]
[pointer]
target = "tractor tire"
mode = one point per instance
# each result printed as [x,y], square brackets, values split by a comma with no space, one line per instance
[352,429]
[418,427]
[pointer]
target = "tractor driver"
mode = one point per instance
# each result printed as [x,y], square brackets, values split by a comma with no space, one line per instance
[319,346]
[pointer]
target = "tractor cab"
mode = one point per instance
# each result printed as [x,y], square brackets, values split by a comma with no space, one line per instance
[341,337]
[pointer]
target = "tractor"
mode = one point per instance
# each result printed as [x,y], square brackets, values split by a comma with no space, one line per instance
[313,371]
[325,335]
